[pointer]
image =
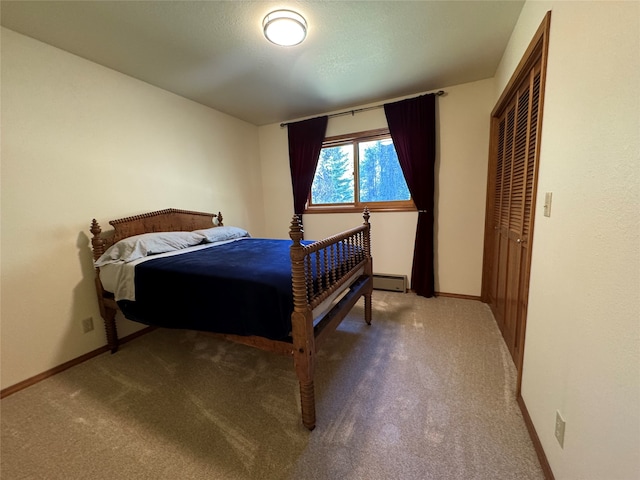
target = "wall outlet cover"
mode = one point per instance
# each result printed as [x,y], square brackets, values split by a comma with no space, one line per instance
[87,325]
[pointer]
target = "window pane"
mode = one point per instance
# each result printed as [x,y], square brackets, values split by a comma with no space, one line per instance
[381,178]
[333,181]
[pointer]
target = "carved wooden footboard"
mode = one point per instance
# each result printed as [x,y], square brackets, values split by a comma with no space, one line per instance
[346,258]
[328,278]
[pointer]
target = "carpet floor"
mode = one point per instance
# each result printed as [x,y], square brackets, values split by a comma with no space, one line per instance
[426,392]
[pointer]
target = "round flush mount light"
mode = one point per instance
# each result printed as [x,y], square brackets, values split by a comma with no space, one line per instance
[285,27]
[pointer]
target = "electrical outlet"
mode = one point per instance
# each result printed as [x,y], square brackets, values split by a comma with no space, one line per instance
[560,424]
[87,325]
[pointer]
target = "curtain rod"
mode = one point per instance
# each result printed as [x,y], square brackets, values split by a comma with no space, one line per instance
[439,93]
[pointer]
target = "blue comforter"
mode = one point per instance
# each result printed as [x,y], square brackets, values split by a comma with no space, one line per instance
[242,288]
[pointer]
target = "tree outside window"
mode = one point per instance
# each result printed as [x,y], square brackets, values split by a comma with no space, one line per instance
[359,170]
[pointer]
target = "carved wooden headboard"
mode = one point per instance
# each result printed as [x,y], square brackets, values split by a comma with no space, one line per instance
[168,220]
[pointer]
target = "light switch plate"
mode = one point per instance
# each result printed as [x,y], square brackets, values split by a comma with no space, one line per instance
[547,204]
[559,431]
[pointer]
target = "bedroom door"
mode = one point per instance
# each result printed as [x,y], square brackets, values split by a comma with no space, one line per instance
[511,191]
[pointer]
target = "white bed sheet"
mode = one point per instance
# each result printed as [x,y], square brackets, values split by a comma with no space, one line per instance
[336,296]
[119,278]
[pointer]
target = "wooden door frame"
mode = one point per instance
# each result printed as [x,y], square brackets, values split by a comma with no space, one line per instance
[536,51]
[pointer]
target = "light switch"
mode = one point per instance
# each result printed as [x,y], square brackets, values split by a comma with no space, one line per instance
[547,204]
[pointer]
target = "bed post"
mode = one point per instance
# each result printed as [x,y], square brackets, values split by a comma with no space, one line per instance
[304,352]
[368,269]
[108,313]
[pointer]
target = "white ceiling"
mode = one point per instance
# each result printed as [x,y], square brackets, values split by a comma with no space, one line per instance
[214,52]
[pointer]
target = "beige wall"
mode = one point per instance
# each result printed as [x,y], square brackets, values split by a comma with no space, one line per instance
[81,141]
[582,351]
[72,131]
[463,133]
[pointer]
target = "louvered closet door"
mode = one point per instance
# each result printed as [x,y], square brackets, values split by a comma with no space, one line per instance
[515,156]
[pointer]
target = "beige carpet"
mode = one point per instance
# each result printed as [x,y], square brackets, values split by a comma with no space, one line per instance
[426,392]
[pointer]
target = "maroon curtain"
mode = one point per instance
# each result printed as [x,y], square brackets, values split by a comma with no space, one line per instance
[305,143]
[412,125]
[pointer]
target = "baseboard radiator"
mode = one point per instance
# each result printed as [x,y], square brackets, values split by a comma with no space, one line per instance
[394,283]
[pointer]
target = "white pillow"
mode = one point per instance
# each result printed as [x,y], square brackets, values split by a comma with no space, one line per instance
[138,246]
[220,234]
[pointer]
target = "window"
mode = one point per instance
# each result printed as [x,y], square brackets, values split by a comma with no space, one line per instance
[359,170]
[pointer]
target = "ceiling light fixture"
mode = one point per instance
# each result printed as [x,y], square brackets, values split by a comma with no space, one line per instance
[285,27]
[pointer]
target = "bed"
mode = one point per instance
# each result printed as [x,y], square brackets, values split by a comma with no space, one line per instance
[302,290]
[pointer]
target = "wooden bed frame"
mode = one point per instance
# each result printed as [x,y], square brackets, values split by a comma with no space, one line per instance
[347,268]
